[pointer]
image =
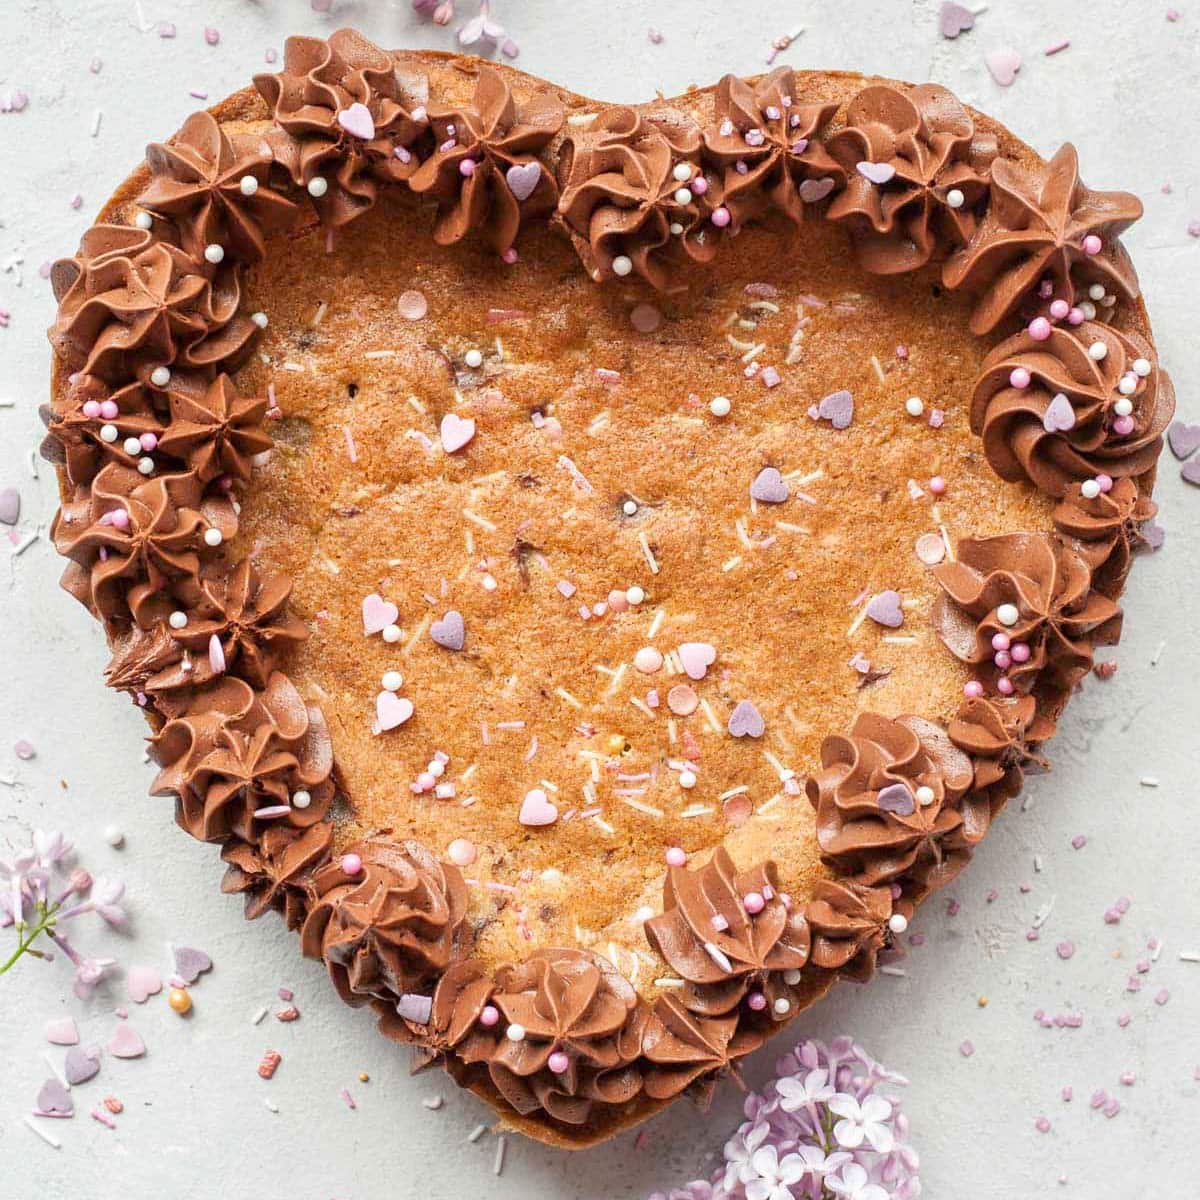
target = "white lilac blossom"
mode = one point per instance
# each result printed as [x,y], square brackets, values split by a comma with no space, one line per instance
[42,892]
[828,1127]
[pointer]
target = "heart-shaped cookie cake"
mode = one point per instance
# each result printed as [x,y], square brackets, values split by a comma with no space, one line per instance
[594,569]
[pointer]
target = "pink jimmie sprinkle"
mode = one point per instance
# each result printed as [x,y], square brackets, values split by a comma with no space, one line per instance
[211,36]
[1057,48]
[1124,1019]
[966,1048]
[349,1099]
[1161,997]
[1065,949]
[1042,1124]
[98,1115]
[166,29]
[1099,1098]
[770,377]
[1078,841]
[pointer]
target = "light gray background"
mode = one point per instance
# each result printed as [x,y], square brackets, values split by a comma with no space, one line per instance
[195,1123]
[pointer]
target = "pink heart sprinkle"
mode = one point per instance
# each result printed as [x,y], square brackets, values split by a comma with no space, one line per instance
[80,1065]
[357,121]
[1059,415]
[142,983]
[814,190]
[696,658]
[378,614]
[769,487]
[391,711]
[126,1042]
[537,809]
[954,19]
[190,964]
[746,721]
[456,432]
[1003,65]
[62,1031]
[877,173]
[53,1100]
[886,609]
[522,179]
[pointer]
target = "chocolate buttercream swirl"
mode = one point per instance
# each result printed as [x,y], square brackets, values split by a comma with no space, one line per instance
[136,544]
[459,999]
[343,118]
[1002,737]
[391,927]
[849,923]
[768,149]
[892,802]
[575,1004]
[1053,412]
[1039,226]
[925,140]
[216,190]
[621,199]
[1045,587]
[683,1048]
[130,302]
[215,431]
[709,937]
[276,871]
[485,174]
[240,760]
[1108,528]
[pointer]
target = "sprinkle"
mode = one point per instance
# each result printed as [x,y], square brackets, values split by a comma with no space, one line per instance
[269,1064]
[501,1150]
[44,1134]
[344,1092]
[476,1133]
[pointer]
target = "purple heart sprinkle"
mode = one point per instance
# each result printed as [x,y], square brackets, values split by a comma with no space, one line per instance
[955,19]
[190,964]
[837,408]
[80,1065]
[1184,441]
[53,1100]
[877,173]
[896,798]
[769,487]
[522,179]
[1190,472]
[746,721]
[1059,415]
[814,190]
[450,632]
[10,506]
[885,608]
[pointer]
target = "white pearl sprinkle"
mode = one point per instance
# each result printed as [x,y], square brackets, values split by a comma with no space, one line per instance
[1088,309]
[782,1005]
[392,633]
[719,406]
[1123,407]
[260,319]
[146,466]
[473,359]
[213,536]
[114,836]
[1090,489]
[914,406]
[682,172]
[955,198]
[1007,614]
[687,780]
[392,681]
[143,220]
[897,922]
[160,376]
[622,264]
[683,195]
[675,228]
[132,445]
[643,914]
[1098,351]
[791,977]
[925,795]
[301,798]
[1096,291]
[318,185]
[248,184]
[515,1032]
[1128,385]
[635,595]
[436,768]
[214,253]
[629,507]
[109,433]
[1141,366]
[178,619]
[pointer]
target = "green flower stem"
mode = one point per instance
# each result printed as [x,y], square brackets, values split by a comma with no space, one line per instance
[28,934]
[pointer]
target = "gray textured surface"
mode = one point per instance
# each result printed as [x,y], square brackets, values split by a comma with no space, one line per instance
[195,1122]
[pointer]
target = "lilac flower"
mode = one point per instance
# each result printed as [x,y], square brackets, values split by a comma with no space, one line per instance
[88,973]
[481,29]
[51,848]
[105,900]
[797,1093]
[772,1176]
[862,1121]
[854,1184]
[740,1149]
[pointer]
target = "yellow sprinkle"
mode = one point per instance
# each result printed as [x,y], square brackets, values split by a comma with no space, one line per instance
[415,402]
[618,675]
[563,694]
[651,561]
[476,519]
[656,623]
[878,369]
[642,706]
[419,632]
[603,825]
[710,716]
[730,563]
[648,809]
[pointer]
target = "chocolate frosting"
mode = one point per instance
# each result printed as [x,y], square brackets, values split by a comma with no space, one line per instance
[1002,738]
[767,145]
[872,823]
[1034,229]
[1024,438]
[276,871]
[313,102]
[198,182]
[505,182]
[129,302]
[1107,529]
[619,194]
[235,757]
[390,928]
[928,139]
[683,1047]
[215,431]
[849,923]
[1061,618]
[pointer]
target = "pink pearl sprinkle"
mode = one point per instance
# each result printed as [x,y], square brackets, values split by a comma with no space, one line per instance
[119,518]
[1020,378]
[753,902]
[720,217]
[1020,652]
[1059,309]
[1075,316]
[1002,659]
[109,410]
[1123,426]
[675,856]
[351,864]
[558,1062]
[91,408]
[1092,244]
[757,1001]
[937,485]
[509,256]
[1039,329]
[698,186]
[490,1015]
[1105,482]
[1004,685]
[466,168]
[617,601]
[972,689]
[425,781]
[149,441]
[1042,1125]
[1001,641]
